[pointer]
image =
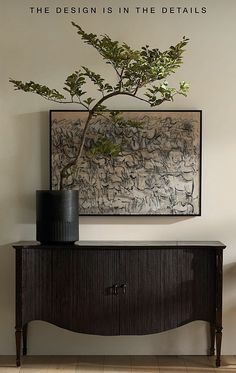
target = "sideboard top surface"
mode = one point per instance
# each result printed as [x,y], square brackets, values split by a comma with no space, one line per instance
[125,244]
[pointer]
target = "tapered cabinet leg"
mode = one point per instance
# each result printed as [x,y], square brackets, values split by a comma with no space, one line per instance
[212,339]
[18,335]
[218,345]
[25,330]
[219,284]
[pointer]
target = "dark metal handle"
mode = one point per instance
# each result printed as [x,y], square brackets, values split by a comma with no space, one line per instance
[115,289]
[124,288]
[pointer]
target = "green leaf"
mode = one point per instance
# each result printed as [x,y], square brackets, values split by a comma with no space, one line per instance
[101,108]
[42,90]
[74,83]
[117,118]
[89,100]
[106,147]
[183,88]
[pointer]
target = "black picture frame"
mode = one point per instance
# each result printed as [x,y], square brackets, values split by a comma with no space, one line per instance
[153,169]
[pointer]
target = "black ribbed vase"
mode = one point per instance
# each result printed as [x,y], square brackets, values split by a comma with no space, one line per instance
[57,216]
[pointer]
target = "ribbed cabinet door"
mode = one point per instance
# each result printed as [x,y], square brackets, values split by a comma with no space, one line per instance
[141,302]
[82,295]
[36,284]
[166,288]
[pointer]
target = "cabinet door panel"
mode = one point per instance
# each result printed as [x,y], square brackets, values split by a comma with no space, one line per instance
[166,288]
[36,284]
[140,306]
[71,288]
[82,295]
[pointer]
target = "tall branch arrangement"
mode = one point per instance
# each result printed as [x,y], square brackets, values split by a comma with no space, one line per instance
[140,74]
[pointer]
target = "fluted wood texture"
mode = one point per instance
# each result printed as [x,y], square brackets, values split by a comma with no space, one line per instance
[72,288]
[166,289]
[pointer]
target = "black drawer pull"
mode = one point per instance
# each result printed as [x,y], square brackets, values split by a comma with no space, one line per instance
[115,289]
[123,288]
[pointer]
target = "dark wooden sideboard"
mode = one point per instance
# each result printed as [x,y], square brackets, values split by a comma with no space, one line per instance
[119,288]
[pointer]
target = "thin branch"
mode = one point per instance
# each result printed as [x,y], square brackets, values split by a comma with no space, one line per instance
[57,101]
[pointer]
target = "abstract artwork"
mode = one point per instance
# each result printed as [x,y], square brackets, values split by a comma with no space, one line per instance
[128,162]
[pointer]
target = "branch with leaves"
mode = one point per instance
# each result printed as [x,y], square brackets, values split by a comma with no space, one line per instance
[140,74]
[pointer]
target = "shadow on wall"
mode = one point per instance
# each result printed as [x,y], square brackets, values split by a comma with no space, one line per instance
[229,288]
[7,291]
[229,301]
[22,167]
[134,220]
[32,163]
[230,277]
[229,307]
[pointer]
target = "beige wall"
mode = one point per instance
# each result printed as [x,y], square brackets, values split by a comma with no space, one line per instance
[45,48]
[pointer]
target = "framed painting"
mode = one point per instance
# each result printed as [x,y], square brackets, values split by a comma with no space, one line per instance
[128,162]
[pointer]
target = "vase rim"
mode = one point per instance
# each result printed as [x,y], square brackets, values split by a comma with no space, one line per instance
[57,191]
